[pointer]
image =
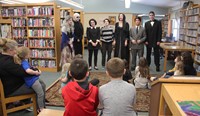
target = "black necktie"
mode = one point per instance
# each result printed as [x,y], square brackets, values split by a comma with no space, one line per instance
[137,30]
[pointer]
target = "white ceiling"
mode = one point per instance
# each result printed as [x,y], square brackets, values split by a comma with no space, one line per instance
[159,3]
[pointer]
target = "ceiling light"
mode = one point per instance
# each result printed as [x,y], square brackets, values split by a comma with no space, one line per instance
[70,2]
[33,1]
[9,2]
[127,3]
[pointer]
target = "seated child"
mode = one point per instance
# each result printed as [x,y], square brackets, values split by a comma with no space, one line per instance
[128,75]
[23,53]
[179,66]
[142,76]
[80,97]
[64,73]
[117,97]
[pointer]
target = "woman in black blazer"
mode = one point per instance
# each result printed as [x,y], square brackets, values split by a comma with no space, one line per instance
[93,36]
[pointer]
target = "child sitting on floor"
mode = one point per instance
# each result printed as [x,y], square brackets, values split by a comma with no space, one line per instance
[142,75]
[128,75]
[64,73]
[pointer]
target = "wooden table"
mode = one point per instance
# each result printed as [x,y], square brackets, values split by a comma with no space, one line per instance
[171,93]
[173,47]
[50,112]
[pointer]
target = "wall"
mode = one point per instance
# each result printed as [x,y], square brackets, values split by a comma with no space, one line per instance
[99,17]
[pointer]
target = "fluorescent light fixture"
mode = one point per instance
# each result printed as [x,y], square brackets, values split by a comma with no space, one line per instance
[141,15]
[33,1]
[135,0]
[9,2]
[127,3]
[70,2]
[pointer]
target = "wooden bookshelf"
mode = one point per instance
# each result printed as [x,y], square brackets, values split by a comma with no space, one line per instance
[37,26]
[5,28]
[190,31]
[166,26]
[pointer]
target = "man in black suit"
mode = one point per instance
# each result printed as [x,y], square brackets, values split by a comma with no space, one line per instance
[153,33]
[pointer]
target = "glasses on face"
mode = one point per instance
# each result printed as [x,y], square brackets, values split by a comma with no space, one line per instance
[78,17]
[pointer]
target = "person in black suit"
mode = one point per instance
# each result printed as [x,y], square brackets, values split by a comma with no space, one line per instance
[93,36]
[153,30]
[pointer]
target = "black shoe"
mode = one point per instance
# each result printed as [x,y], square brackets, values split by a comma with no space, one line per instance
[157,68]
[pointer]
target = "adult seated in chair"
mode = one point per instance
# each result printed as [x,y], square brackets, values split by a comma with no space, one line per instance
[11,74]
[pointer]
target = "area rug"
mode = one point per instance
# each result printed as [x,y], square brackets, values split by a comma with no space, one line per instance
[55,98]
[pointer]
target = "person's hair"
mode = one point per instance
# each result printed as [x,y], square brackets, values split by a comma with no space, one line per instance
[179,66]
[115,67]
[7,44]
[126,63]
[124,20]
[178,58]
[65,67]
[78,56]
[152,12]
[139,18]
[107,20]
[143,67]
[187,58]
[22,52]
[78,68]
[92,20]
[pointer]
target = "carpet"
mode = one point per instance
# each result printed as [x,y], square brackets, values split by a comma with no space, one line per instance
[55,98]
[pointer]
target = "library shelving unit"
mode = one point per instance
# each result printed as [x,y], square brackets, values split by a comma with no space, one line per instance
[41,25]
[166,26]
[5,28]
[190,31]
[18,15]
[64,12]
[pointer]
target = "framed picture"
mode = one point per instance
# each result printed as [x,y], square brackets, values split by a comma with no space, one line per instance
[112,20]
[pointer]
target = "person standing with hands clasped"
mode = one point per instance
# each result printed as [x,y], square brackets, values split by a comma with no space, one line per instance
[93,36]
[154,33]
[137,38]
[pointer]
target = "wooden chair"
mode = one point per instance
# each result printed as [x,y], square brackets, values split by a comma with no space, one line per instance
[5,100]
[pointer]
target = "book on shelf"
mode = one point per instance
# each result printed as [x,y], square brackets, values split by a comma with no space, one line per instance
[39,22]
[10,12]
[39,43]
[41,11]
[18,22]
[43,63]
[41,53]
[64,13]
[5,31]
[41,32]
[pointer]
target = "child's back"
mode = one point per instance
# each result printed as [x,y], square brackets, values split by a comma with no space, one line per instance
[140,82]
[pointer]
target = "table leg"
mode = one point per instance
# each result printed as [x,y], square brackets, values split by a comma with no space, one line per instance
[165,60]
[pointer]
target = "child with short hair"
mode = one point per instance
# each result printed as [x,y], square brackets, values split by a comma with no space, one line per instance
[23,53]
[179,66]
[117,97]
[142,75]
[80,97]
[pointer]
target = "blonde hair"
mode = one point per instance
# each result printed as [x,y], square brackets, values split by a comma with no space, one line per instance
[7,44]
[65,67]
[115,67]
[22,52]
[180,66]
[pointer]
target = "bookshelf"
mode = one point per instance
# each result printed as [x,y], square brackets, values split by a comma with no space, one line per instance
[190,32]
[5,28]
[34,27]
[64,12]
[166,26]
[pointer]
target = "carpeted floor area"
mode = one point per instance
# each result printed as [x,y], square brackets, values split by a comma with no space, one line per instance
[55,98]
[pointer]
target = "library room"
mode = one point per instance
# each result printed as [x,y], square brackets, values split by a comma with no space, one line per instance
[99,57]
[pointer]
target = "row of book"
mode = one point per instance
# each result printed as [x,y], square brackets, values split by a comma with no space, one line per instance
[193,25]
[19,32]
[193,18]
[42,43]
[40,22]
[38,53]
[5,31]
[192,33]
[191,40]
[183,25]
[22,42]
[18,22]
[198,39]
[9,12]
[41,32]
[193,11]
[182,31]
[43,63]
[38,11]
[199,30]
[63,13]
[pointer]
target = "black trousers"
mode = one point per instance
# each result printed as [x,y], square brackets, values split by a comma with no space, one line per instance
[78,48]
[95,56]
[156,55]
[106,47]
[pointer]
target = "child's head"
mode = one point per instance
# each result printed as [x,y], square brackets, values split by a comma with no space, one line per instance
[22,53]
[65,67]
[143,68]
[178,58]
[142,62]
[115,67]
[126,63]
[187,58]
[179,66]
[78,69]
